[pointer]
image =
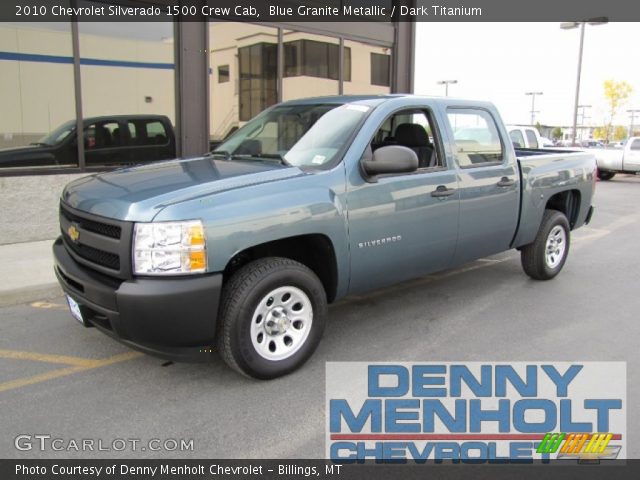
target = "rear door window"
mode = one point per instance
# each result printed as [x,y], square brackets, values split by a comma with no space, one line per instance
[532,138]
[476,137]
[147,132]
[517,139]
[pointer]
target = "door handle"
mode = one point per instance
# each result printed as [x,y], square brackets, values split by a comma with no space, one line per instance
[506,182]
[443,191]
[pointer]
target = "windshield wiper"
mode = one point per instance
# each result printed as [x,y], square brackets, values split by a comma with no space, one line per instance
[224,153]
[40,144]
[264,156]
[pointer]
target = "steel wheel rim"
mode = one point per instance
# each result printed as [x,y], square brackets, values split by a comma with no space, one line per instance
[556,246]
[281,323]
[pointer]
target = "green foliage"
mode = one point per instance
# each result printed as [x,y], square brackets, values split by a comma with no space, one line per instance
[619,133]
[616,95]
[556,133]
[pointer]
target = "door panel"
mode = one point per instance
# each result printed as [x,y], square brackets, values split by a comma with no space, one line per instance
[398,230]
[489,184]
[488,212]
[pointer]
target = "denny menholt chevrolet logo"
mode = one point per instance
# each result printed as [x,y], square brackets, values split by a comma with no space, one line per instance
[473,412]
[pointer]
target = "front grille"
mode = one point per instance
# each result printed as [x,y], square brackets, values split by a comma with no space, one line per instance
[99,243]
[95,255]
[111,231]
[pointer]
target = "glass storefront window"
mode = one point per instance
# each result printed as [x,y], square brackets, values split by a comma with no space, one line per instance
[311,65]
[244,58]
[128,92]
[37,95]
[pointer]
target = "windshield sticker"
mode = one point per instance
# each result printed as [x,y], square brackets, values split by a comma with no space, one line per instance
[318,159]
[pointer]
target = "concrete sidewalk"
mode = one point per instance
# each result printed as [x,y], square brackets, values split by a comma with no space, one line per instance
[26,273]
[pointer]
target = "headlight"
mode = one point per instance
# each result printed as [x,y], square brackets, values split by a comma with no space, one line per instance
[169,248]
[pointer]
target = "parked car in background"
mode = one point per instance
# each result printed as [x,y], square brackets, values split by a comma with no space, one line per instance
[525,137]
[592,144]
[612,161]
[108,141]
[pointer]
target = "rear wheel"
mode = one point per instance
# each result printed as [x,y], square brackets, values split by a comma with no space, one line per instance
[272,317]
[605,175]
[544,258]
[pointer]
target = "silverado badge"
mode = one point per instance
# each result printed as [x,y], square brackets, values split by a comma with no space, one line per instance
[73,232]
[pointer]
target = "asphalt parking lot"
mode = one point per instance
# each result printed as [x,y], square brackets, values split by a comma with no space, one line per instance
[60,379]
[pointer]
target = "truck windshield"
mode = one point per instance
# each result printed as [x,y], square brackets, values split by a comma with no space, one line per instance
[59,134]
[301,135]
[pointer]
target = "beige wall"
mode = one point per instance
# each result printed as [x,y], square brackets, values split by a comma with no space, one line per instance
[361,69]
[34,97]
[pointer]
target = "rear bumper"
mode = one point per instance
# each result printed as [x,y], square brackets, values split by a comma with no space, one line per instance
[172,318]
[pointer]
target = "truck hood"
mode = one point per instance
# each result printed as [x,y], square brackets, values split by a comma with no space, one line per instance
[139,193]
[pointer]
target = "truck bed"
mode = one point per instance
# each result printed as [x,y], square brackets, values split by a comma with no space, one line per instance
[545,173]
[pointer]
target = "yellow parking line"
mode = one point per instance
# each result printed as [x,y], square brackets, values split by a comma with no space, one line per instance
[43,357]
[62,372]
[49,305]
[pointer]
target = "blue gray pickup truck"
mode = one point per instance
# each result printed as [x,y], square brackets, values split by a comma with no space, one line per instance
[240,251]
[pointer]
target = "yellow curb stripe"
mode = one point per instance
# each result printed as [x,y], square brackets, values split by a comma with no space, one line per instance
[63,372]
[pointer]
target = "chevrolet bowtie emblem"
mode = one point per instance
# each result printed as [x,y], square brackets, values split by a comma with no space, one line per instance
[73,232]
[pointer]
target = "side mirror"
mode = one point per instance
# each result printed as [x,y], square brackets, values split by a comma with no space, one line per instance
[390,159]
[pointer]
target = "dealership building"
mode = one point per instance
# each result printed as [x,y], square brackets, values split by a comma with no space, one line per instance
[208,78]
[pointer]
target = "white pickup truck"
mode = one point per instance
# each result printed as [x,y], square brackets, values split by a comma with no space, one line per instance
[612,161]
[527,137]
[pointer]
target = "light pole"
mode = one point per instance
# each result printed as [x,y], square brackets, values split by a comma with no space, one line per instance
[533,105]
[632,114]
[583,117]
[446,84]
[569,26]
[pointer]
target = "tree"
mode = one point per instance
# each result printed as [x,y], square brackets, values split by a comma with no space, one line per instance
[556,133]
[619,133]
[600,133]
[539,127]
[615,94]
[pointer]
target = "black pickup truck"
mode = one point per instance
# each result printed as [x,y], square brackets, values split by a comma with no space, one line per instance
[108,141]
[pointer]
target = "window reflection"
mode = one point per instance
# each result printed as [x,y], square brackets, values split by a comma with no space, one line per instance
[128,95]
[36,95]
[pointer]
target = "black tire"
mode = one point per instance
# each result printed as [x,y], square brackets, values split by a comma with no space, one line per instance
[241,297]
[605,175]
[534,256]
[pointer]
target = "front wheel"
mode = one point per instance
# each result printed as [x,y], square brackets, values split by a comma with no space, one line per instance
[544,258]
[272,318]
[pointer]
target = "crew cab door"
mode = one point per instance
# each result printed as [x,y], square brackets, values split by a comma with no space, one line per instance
[489,183]
[403,225]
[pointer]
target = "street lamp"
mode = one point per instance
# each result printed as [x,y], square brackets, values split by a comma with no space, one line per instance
[632,114]
[583,117]
[570,26]
[533,104]
[446,84]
